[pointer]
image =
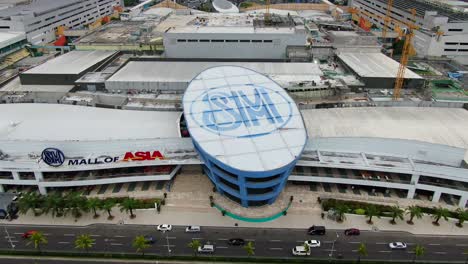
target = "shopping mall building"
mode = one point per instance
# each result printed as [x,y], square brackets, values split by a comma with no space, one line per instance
[247,135]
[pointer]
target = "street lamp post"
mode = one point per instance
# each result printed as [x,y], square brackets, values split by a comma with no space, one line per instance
[9,239]
[168,246]
[333,247]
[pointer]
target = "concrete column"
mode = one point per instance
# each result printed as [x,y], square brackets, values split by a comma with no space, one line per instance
[414,179]
[463,200]
[15,175]
[242,190]
[411,193]
[436,196]
[39,176]
[42,190]
[2,189]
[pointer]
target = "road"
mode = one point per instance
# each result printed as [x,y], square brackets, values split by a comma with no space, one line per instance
[274,243]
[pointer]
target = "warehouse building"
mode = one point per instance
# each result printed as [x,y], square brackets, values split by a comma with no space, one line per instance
[67,68]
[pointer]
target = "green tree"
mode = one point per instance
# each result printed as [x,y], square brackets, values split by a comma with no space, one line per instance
[194,245]
[128,205]
[371,211]
[128,3]
[462,216]
[341,210]
[439,213]
[84,242]
[140,244]
[414,211]
[55,204]
[94,204]
[30,201]
[37,239]
[306,247]
[250,249]
[362,252]
[396,212]
[76,204]
[418,252]
[108,205]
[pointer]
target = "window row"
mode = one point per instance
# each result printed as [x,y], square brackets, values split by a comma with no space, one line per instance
[227,40]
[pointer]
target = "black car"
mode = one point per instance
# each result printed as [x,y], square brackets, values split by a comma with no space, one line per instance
[236,242]
[316,230]
[149,239]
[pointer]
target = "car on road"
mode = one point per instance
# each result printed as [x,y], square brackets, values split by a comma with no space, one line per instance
[28,234]
[352,232]
[300,251]
[209,249]
[236,242]
[164,227]
[316,230]
[192,229]
[312,243]
[149,239]
[397,245]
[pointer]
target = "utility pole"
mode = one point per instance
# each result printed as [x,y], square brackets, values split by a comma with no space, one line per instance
[333,247]
[9,239]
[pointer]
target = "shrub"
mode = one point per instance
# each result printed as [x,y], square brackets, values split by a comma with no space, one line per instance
[360,211]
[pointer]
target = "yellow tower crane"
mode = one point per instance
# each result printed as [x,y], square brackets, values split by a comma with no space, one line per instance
[387,18]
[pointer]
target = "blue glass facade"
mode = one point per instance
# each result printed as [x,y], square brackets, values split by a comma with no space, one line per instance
[248,188]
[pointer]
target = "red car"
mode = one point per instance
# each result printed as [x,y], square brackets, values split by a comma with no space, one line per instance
[352,232]
[28,234]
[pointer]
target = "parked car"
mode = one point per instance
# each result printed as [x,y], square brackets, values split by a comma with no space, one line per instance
[312,243]
[164,227]
[352,232]
[300,251]
[236,242]
[149,239]
[28,234]
[192,229]
[397,245]
[206,249]
[316,230]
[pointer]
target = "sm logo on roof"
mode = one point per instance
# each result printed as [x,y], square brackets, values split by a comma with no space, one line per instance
[241,111]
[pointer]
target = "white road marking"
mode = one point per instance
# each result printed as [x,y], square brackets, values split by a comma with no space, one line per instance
[223,239]
[276,248]
[119,236]
[47,234]
[381,243]
[116,244]
[69,234]
[63,242]
[461,245]
[434,244]
[275,240]
[14,241]
[354,250]
[440,253]
[385,251]
[327,242]
[7,237]
[249,239]
[354,242]
[300,241]
[18,233]
[221,247]
[171,237]
[94,235]
[329,250]
[410,252]
[197,238]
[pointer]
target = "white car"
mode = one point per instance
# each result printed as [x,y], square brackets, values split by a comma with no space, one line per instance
[192,229]
[164,227]
[397,245]
[312,243]
[206,249]
[300,251]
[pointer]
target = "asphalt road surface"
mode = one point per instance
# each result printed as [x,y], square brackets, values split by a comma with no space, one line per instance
[273,243]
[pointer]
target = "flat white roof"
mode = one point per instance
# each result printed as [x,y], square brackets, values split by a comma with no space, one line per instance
[224,6]
[73,62]
[445,126]
[8,38]
[160,71]
[375,65]
[51,122]
[243,119]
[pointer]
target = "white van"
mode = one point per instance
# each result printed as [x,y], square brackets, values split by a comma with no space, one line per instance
[206,249]
[192,229]
[300,251]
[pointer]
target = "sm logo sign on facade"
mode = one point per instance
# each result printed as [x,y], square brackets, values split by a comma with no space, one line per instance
[242,111]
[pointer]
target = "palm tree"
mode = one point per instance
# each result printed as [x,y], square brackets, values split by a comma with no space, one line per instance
[396,212]
[418,252]
[84,242]
[414,211]
[55,204]
[140,244]
[108,205]
[127,205]
[250,249]
[371,211]
[76,204]
[194,245]
[306,247]
[30,201]
[38,239]
[439,213]
[340,211]
[94,204]
[462,216]
[362,251]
